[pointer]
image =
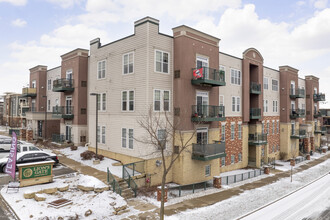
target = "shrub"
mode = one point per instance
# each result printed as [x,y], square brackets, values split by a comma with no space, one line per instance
[283,155]
[87,155]
[99,156]
[73,147]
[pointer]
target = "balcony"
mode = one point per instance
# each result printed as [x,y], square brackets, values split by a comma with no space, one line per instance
[255,113]
[298,134]
[207,152]
[317,114]
[65,112]
[257,139]
[319,97]
[323,130]
[255,88]
[208,76]
[29,92]
[297,113]
[317,130]
[63,85]
[207,113]
[298,93]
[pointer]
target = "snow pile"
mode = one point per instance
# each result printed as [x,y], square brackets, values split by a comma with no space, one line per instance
[90,181]
[103,205]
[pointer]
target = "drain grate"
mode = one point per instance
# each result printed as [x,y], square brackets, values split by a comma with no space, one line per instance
[59,203]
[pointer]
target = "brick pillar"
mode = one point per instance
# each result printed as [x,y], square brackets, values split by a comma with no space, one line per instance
[312,144]
[308,157]
[306,143]
[23,134]
[266,170]
[217,182]
[292,162]
[159,193]
[29,135]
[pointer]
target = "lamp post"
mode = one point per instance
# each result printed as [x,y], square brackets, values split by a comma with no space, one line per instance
[45,117]
[96,109]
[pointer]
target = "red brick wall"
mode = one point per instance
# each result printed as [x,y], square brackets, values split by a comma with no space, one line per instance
[233,147]
[273,139]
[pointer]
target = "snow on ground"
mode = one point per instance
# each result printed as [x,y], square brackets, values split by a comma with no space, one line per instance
[75,155]
[252,199]
[99,203]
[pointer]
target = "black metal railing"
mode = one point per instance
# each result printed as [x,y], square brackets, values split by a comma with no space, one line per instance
[296,133]
[319,97]
[136,168]
[257,138]
[255,113]
[206,112]
[208,151]
[208,74]
[63,110]
[226,180]
[297,93]
[113,182]
[255,88]
[62,84]
[317,114]
[129,180]
[61,138]
[297,113]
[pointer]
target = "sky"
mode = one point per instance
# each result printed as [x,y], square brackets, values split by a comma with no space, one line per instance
[286,32]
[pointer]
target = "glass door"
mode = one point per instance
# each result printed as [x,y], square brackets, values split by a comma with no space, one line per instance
[68,104]
[202,135]
[202,101]
[203,62]
[68,133]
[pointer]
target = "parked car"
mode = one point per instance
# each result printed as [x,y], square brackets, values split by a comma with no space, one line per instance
[29,157]
[5,145]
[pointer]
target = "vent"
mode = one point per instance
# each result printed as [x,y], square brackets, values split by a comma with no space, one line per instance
[176,111]
[176,149]
[83,111]
[83,83]
[177,74]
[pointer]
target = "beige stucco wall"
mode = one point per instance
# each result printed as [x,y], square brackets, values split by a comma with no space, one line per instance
[269,94]
[286,142]
[230,90]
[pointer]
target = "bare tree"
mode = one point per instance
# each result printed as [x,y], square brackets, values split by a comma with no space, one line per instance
[293,153]
[162,131]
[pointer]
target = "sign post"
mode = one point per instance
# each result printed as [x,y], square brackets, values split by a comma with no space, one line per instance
[11,164]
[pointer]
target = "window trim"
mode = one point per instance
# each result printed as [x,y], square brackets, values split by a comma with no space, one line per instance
[105,69]
[239,79]
[231,159]
[223,159]
[207,167]
[274,80]
[168,63]
[127,138]
[266,80]
[161,105]
[232,131]
[123,63]
[127,101]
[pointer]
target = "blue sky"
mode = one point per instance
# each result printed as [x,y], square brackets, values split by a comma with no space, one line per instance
[286,32]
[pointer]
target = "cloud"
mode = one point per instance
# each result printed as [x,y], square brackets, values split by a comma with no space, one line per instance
[66,3]
[15,2]
[19,22]
[300,3]
[320,4]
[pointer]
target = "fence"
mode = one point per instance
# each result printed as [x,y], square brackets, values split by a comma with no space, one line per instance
[135,168]
[226,180]
[182,190]
[113,182]
[131,183]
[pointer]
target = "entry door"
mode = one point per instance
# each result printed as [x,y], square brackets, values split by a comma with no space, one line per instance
[203,62]
[68,133]
[292,88]
[68,105]
[69,78]
[202,101]
[202,135]
[293,107]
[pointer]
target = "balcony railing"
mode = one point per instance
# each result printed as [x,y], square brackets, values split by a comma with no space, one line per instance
[63,85]
[61,138]
[317,114]
[255,88]
[298,93]
[65,112]
[257,139]
[24,110]
[208,76]
[207,113]
[320,130]
[209,151]
[255,113]
[29,92]
[297,113]
[298,134]
[319,97]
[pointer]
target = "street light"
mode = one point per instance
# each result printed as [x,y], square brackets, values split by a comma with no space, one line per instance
[45,117]
[96,95]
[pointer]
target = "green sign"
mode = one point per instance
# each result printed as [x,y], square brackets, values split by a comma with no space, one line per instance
[36,171]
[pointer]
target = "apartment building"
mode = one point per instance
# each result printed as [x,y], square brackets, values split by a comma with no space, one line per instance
[70,105]
[11,110]
[1,111]
[131,76]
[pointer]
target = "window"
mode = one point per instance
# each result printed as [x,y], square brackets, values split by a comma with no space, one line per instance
[69,74]
[239,131]
[232,131]
[277,127]
[98,134]
[262,152]
[278,147]
[49,84]
[128,63]
[236,104]
[130,138]
[240,157]
[223,132]
[203,62]
[98,102]
[221,100]
[161,61]
[267,127]
[34,84]
[207,170]
[273,128]
[263,127]
[104,101]
[265,83]
[265,105]
[273,148]
[101,69]
[103,134]
[161,100]
[232,159]
[202,136]
[274,85]
[275,106]
[127,101]
[223,161]
[161,135]
[235,77]
[123,137]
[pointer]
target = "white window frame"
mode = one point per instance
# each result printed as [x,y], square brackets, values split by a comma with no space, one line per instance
[221,100]
[266,85]
[124,138]
[127,141]
[275,87]
[98,136]
[235,77]
[267,127]
[48,105]
[49,84]
[275,106]
[223,161]
[223,132]
[130,138]
[128,100]
[162,100]
[103,129]
[239,157]
[232,131]
[278,127]
[69,73]
[162,62]
[208,170]
[239,131]
[102,71]
[265,105]
[232,159]
[128,64]
[273,127]
[34,84]
[235,104]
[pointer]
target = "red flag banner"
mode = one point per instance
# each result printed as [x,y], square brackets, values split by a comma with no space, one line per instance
[11,163]
[198,73]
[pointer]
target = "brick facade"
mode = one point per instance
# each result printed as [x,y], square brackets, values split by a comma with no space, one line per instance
[273,137]
[233,147]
